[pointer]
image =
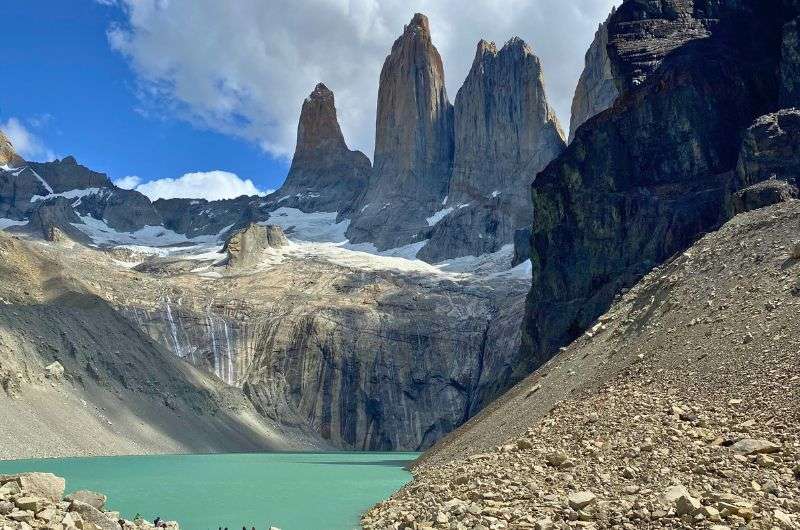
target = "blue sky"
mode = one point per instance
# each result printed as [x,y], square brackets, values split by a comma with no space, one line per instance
[209,92]
[66,86]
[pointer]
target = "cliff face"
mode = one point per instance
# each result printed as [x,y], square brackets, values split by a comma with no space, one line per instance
[596,89]
[325,175]
[652,174]
[413,144]
[505,134]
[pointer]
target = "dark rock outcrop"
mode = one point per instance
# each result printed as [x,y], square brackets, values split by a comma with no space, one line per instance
[656,170]
[413,144]
[67,174]
[506,133]
[790,65]
[325,175]
[771,149]
[245,246]
[52,219]
[763,194]
[769,163]
[196,217]
[596,90]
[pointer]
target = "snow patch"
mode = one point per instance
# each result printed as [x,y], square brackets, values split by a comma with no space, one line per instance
[7,223]
[44,182]
[495,193]
[438,216]
[72,194]
[317,227]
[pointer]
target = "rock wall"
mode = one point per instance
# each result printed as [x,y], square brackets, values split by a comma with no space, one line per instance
[596,90]
[505,133]
[655,172]
[413,144]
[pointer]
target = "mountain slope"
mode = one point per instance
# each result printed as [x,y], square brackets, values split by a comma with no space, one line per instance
[702,353]
[120,392]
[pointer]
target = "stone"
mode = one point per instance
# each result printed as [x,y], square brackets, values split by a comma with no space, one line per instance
[752,446]
[685,504]
[325,175]
[6,507]
[794,251]
[92,498]
[44,485]
[544,524]
[54,370]
[413,144]
[90,514]
[27,502]
[244,247]
[581,499]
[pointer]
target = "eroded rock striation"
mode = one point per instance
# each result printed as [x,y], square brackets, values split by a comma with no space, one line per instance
[655,172]
[506,132]
[413,144]
[325,175]
[596,90]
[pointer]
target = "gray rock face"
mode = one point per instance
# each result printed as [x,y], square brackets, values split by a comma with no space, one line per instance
[413,144]
[325,175]
[506,133]
[596,90]
[656,171]
[790,65]
[195,217]
[244,247]
[67,174]
[53,218]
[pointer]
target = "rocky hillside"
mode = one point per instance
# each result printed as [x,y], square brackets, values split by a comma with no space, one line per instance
[78,378]
[36,500]
[677,409]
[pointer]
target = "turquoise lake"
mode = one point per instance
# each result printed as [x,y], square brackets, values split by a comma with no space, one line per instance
[293,491]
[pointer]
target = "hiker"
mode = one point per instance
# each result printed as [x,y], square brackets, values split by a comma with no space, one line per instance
[156,521]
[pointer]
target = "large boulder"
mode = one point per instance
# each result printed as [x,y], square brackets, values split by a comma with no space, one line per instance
[93,516]
[92,498]
[42,485]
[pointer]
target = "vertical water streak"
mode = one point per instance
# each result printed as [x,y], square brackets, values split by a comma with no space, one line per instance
[231,366]
[173,330]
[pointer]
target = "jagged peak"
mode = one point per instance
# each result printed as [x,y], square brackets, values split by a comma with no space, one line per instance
[485,47]
[321,91]
[419,22]
[517,44]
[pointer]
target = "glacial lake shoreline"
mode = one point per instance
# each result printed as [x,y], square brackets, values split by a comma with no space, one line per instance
[289,490]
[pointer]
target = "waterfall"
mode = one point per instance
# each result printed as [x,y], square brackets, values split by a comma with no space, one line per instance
[173,330]
[229,352]
[214,349]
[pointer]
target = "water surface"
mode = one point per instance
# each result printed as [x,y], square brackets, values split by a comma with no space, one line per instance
[293,491]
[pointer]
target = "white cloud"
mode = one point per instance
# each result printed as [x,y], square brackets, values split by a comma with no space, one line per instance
[128,183]
[27,144]
[245,67]
[211,185]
